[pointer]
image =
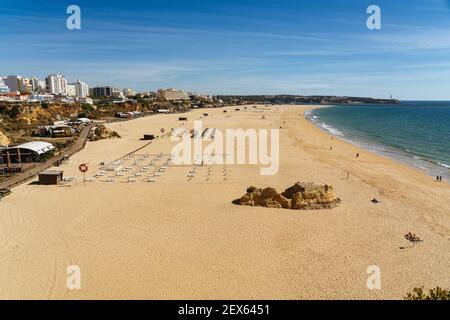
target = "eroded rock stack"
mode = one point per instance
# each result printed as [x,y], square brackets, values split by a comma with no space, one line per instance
[301,196]
[101,132]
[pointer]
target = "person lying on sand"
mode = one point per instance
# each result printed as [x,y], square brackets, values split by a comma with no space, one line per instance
[412,237]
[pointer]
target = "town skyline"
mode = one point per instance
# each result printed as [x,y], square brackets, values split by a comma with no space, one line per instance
[55,87]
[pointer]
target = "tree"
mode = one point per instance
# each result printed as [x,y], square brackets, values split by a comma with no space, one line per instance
[87,107]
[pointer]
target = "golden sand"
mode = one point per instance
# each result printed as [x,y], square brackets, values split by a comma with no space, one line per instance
[180,239]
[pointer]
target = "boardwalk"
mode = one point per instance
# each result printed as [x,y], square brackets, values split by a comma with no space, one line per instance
[32,171]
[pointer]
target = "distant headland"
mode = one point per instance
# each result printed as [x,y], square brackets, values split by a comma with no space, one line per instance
[298,99]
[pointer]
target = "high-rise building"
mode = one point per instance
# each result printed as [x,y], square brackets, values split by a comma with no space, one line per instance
[81,89]
[56,84]
[71,90]
[18,83]
[104,91]
[37,86]
[13,82]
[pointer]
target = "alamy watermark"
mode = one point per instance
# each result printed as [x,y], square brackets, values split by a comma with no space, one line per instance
[235,146]
[374,280]
[73,281]
[374,20]
[73,21]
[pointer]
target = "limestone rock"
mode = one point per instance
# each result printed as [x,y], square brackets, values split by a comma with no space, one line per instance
[101,132]
[268,198]
[301,196]
[4,140]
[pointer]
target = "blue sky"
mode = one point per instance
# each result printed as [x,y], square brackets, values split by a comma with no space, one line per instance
[235,47]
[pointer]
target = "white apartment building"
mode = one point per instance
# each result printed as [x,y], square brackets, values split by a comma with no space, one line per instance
[71,90]
[37,86]
[129,93]
[81,89]
[118,94]
[56,84]
[172,94]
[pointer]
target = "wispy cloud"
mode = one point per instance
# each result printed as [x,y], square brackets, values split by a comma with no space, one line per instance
[234,47]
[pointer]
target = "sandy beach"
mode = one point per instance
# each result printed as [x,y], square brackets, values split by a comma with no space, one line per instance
[183,239]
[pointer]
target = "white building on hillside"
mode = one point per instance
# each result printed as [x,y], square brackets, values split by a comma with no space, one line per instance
[172,94]
[41,97]
[129,93]
[37,86]
[71,90]
[56,84]
[81,89]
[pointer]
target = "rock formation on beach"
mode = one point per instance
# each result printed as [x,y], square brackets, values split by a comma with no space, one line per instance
[301,196]
[101,132]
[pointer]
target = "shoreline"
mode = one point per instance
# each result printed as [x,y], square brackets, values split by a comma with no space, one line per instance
[181,239]
[430,167]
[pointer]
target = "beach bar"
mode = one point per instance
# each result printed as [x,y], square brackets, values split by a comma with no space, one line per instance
[50,177]
[27,152]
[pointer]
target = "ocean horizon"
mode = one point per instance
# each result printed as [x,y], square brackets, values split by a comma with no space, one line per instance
[413,132]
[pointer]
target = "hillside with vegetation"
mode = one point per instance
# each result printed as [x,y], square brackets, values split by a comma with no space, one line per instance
[18,120]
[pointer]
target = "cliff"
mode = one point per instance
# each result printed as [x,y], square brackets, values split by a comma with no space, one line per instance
[4,140]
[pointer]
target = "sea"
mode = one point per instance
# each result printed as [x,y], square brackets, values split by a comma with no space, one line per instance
[413,132]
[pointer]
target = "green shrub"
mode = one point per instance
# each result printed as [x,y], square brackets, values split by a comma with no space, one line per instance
[87,107]
[433,294]
[14,112]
